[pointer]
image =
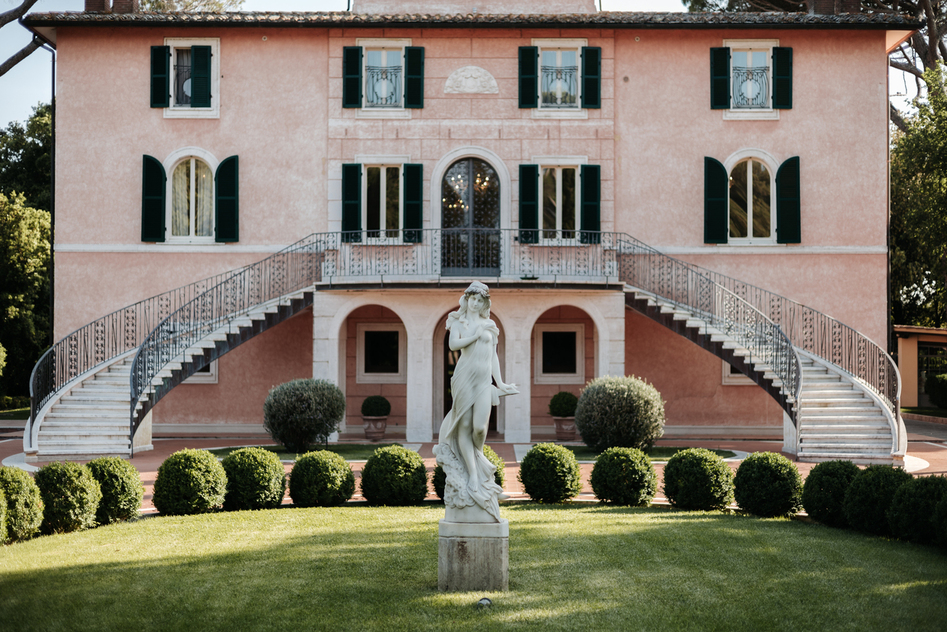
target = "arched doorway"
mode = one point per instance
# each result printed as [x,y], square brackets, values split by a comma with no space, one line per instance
[470,219]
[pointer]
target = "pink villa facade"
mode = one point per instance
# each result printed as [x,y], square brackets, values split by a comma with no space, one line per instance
[555,135]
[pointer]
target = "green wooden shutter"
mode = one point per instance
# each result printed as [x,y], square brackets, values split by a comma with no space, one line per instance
[351,203]
[720,78]
[200,76]
[414,77]
[788,207]
[529,204]
[153,187]
[413,202]
[716,202]
[782,78]
[226,201]
[160,76]
[590,204]
[591,77]
[352,77]
[529,76]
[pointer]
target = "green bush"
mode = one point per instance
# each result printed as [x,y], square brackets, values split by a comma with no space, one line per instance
[297,414]
[13,402]
[190,482]
[122,491]
[563,404]
[768,485]
[70,495]
[256,479]
[940,522]
[624,476]
[936,387]
[24,503]
[619,412]
[911,513]
[321,479]
[550,473]
[823,494]
[440,477]
[375,406]
[394,476]
[869,496]
[3,517]
[698,479]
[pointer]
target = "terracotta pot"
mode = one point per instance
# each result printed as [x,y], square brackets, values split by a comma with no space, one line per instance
[565,428]
[374,427]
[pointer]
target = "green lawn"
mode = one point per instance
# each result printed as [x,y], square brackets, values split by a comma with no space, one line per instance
[577,567]
[930,412]
[350,451]
[585,453]
[15,413]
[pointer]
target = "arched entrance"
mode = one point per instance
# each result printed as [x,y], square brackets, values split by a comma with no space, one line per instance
[470,219]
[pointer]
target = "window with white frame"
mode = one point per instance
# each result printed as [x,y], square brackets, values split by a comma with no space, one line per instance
[381,353]
[381,213]
[383,69]
[192,200]
[383,78]
[205,375]
[751,79]
[560,78]
[185,77]
[559,353]
[560,201]
[751,201]
[734,377]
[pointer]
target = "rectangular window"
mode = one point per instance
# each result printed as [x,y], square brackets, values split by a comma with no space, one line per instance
[559,351]
[734,377]
[559,202]
[751,79]
[381,353]
[383,202]
[205,375]
[383,77]
[560,78]
[194,81]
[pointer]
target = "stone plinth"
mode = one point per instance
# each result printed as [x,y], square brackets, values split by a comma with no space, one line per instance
[473,556]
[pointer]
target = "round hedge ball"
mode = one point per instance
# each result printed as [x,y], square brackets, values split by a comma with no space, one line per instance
[619,412]
[624,476]
[550,473]
[190,482]
[768,485]
[71,497]
[869,496]
[439,479]
[321,479]
[299,413]
[394,476]
[122,491]
[697,478]
[24,503]
[823,493]
[256,479]
[912,509]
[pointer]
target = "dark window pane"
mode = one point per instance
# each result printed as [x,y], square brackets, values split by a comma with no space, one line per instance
[381,351]
[373,193]
[559,352]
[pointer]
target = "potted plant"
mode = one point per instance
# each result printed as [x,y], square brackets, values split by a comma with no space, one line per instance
[375,411]
[562,408]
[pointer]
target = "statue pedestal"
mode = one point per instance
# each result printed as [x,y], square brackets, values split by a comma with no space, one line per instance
[473,556]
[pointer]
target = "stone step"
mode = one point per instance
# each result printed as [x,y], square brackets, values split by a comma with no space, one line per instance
[841,428]
[83,417]
[81,409]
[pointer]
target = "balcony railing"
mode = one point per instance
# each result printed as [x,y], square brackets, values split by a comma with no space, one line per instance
[559,86]
[751,87]
[383,86]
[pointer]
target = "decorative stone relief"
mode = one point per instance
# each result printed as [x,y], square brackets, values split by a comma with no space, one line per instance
[471,80]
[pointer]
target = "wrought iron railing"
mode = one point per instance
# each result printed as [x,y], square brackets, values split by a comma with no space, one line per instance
[559,86]
[383,86]
[751,87]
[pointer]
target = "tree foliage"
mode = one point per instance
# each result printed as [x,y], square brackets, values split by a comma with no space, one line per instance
[25,158]
[190,6]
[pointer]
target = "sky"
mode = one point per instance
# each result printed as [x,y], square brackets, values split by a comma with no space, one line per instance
[29,82]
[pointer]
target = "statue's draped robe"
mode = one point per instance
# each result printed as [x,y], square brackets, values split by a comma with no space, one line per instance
[472,375]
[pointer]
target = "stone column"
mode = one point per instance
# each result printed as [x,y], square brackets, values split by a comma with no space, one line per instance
[517,371]
[420,387]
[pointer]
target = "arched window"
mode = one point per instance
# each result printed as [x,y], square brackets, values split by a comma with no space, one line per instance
[192,199]
[751,200]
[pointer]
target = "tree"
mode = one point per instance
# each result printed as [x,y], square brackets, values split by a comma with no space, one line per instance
[24,290]
[25,158]
[9,16]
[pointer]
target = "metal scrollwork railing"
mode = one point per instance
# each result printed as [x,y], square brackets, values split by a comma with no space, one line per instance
[751,87]
[383,86]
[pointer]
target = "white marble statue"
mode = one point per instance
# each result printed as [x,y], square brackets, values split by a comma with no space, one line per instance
[470,492]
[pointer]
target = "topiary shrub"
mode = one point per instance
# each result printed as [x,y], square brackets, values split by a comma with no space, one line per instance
[768,485]
[869,496]
[24,503]
[321,479]
[550,473]
[439,478]
[936,388]
[563,404]
[70,495]
[122,491]
[624,476]
[940,522]
[394,475]
[190,482]
[823,493]
[376,406]
[911,512]
[297,414]
[698,479]
[619,412]
[256,479]
[3,517]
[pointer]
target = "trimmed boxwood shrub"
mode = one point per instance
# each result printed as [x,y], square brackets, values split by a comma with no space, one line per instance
[122,491]
[768,485]
[376,406]
[190,482]
[24,503]
[697,478]
[394,476]
[3,517]
[911,513]
[624,476]
[321,479]
[70,495]
[940,522]
[936,387]
[550,473]
[563,404]
[439,479]
[256,479]
[823,494]
[619,412]
[869,496]
[299,413]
